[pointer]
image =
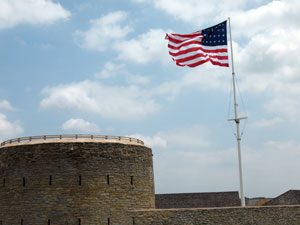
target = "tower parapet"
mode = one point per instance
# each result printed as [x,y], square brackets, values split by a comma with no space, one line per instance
[74,179]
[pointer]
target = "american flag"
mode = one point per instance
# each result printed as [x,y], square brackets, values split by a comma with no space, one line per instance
[208,45]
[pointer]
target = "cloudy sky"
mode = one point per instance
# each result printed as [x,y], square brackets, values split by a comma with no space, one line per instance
[102,67]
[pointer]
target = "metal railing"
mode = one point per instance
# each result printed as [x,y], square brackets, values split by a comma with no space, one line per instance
[70,136]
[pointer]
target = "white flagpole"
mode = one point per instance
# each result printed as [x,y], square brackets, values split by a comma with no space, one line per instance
[237,122]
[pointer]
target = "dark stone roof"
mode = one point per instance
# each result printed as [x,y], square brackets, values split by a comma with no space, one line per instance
[197,200]
[291,197]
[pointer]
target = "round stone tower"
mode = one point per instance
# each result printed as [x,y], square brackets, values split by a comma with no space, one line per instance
[74,180]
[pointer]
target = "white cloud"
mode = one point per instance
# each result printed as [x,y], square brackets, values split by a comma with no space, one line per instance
[189,137]
[154,141]
[120,102]
[138,79]
[9,129]
[150,46]
[246,20]
[269,67]
[202,78]
[271,52]
[14,12]
[130,101]
[104,31]
[5,105]
[111,70]
[133,100]
[81,125]
[108,31]
[282,13]
[195,11]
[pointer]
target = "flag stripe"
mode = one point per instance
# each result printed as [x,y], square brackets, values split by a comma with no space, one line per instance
[196,60]
[178,36]
[208,45]
[198,63]
[177,43]
[201,55]
[193,49]
[197,52]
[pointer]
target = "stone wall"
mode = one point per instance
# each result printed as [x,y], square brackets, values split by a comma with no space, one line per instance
[276,215]
[74,183]
[197,200]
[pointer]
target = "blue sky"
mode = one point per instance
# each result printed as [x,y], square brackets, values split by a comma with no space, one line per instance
[102,67]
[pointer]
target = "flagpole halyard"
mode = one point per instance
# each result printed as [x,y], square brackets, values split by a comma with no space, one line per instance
[237,122]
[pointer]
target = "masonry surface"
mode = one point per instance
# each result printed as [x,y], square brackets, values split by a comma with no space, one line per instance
[89,182]
[74,182]
[276,215]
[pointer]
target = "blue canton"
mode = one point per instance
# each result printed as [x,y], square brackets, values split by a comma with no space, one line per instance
[216,35]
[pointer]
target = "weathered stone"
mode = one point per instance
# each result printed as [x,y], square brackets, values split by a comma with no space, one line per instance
[280,215]
[197,200]
[79,189]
